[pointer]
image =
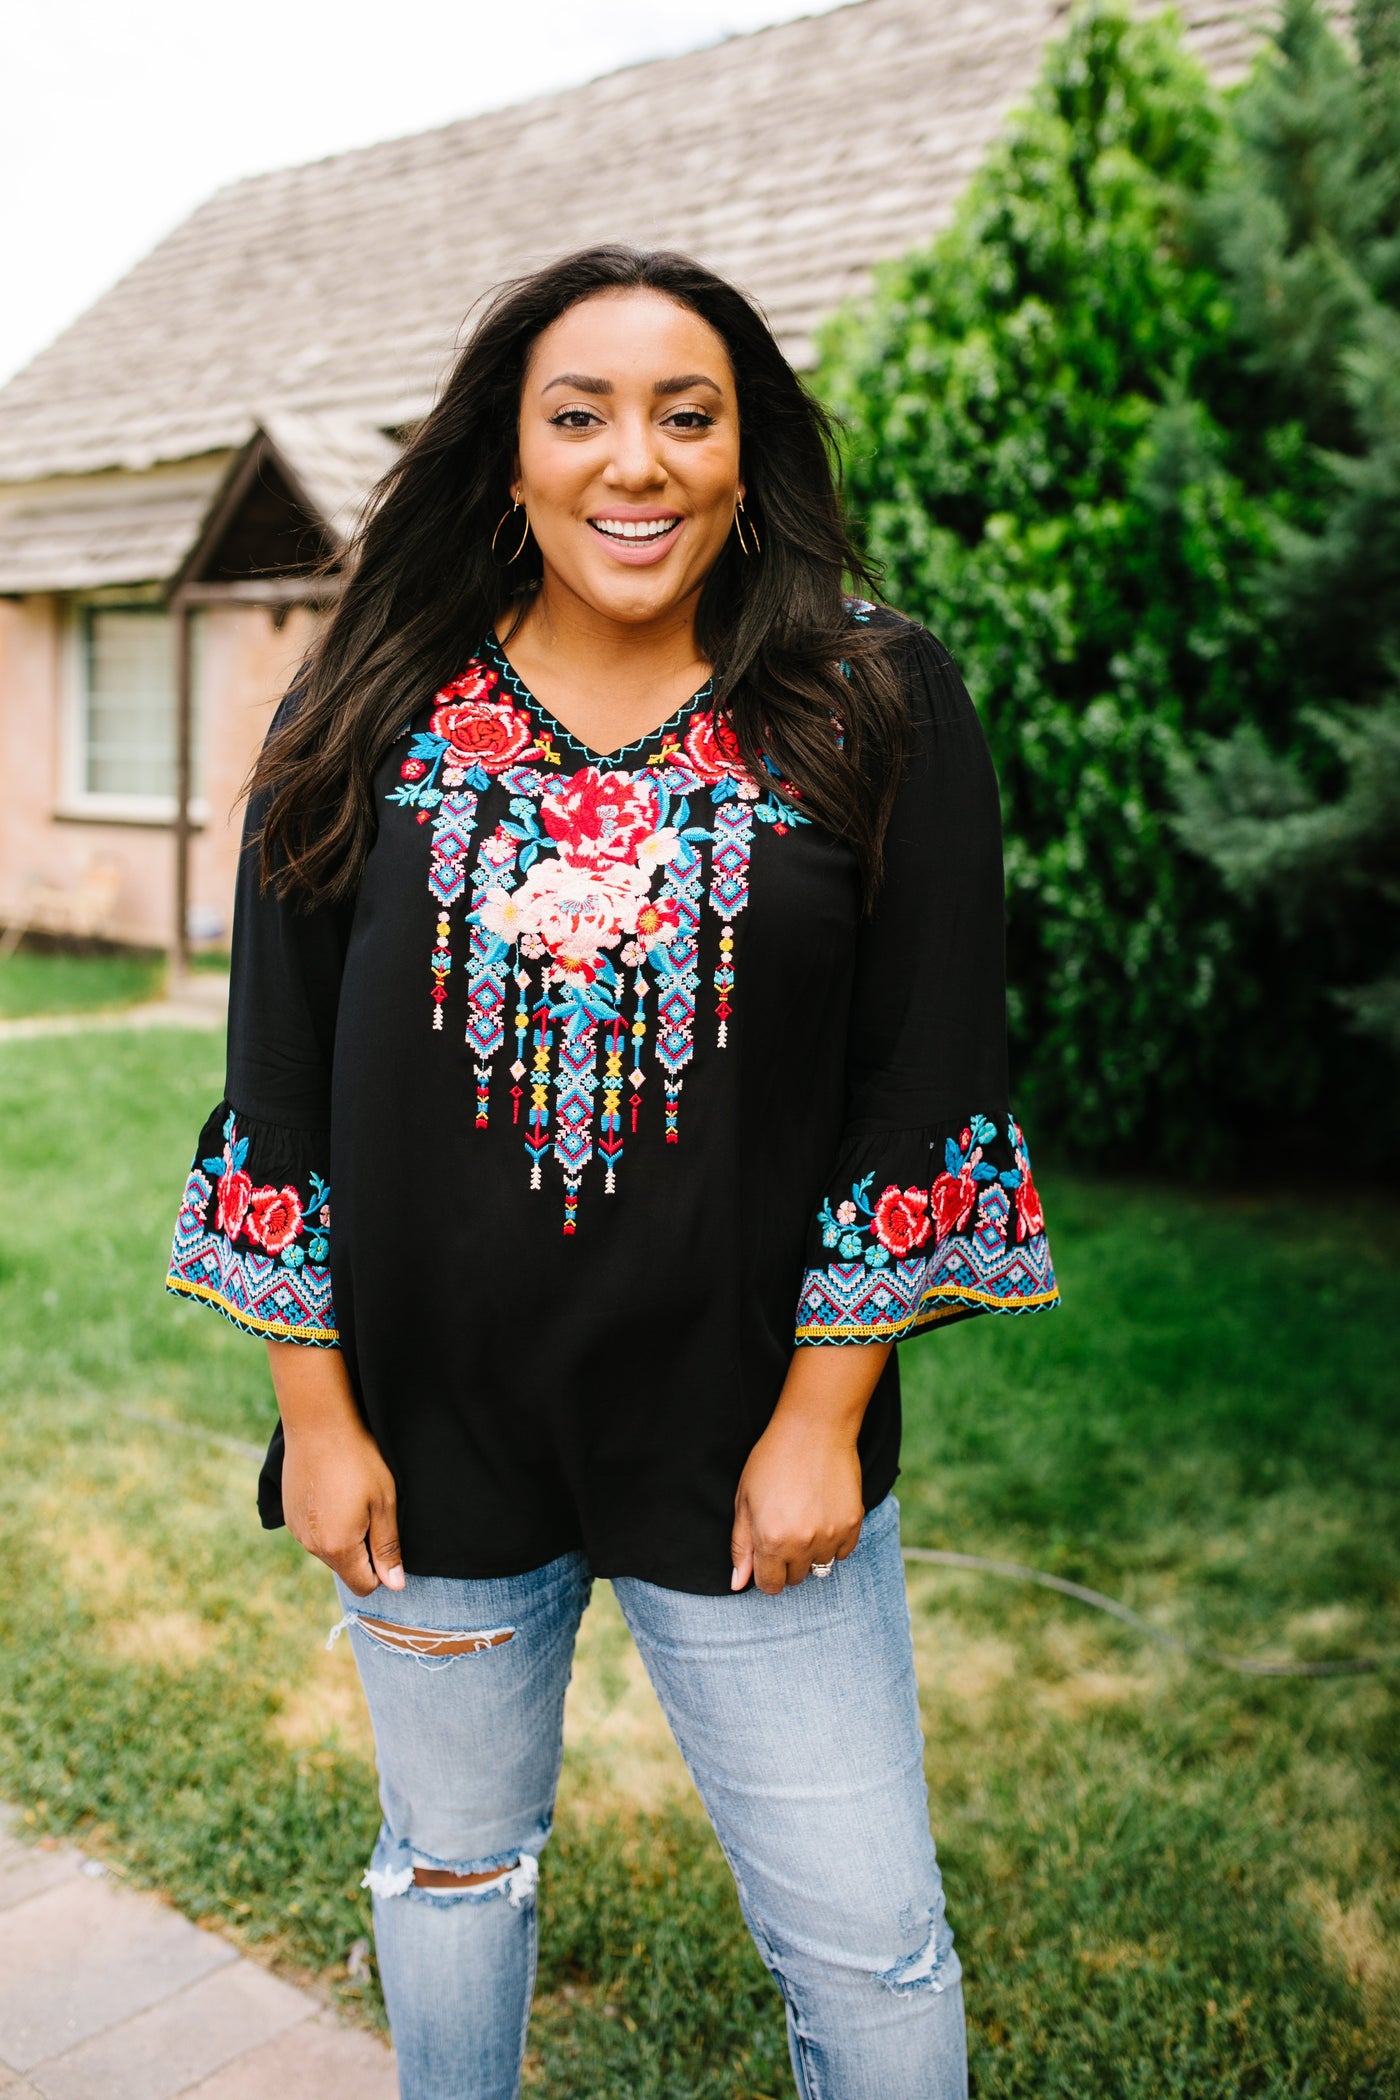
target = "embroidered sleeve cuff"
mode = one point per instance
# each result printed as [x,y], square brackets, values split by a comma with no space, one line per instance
[253,1235]
[923,1228]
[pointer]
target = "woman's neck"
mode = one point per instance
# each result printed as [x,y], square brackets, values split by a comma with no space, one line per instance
[624,676]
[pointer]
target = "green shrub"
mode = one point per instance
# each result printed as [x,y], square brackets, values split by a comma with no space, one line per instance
[1061,450]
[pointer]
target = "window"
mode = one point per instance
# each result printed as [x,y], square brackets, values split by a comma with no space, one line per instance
[126,710]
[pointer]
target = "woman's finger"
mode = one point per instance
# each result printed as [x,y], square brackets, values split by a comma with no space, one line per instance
[741,1547]
[384,1542]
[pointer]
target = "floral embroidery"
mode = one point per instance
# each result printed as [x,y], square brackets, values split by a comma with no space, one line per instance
[586,897]
[278,1282]
[886,1280]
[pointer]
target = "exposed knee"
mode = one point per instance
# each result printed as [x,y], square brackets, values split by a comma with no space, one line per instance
[467,1881]
[439,1877]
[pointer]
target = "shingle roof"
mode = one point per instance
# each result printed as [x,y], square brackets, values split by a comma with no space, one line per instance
[81,532]
[791,159]
[89,530]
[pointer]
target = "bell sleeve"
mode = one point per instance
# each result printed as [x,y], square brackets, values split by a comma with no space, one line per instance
[252,1238]
[930,1213]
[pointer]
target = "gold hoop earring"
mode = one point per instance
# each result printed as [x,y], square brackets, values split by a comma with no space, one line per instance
[740,517]
[515,506]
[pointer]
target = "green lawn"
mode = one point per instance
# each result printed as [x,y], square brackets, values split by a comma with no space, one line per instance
[62,984]
[1165,1880]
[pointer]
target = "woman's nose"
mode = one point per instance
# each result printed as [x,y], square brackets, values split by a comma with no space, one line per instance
[636,461]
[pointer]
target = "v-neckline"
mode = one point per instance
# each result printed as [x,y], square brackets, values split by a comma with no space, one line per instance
[506,670]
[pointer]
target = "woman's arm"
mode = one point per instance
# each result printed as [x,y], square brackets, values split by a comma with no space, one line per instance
[799,1497]
[337,1493]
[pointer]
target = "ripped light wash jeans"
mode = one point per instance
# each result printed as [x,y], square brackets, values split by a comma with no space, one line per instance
[798,1717]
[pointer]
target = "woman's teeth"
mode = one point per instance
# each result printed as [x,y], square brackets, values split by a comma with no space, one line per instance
[628,529]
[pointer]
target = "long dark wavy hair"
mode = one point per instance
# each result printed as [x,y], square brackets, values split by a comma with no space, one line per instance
[423,588]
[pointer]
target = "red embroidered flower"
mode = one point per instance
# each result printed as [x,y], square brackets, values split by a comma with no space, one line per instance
[952,1199]
[235,1189]
[474,683]
[1030,1218]
[900,1222]
[412,769]
[597,817]
[490,733]
[274,1218]
[712,747]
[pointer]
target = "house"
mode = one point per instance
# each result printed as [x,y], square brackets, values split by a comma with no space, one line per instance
[175,467]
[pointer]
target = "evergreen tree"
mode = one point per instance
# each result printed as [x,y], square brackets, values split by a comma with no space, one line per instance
[1035,452]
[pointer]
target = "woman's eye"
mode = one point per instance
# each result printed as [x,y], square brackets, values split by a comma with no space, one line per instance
[573,419]
[691,419]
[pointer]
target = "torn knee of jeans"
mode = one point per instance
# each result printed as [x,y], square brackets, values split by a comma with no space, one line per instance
[466,1881]
[932,1967]
[436,1648]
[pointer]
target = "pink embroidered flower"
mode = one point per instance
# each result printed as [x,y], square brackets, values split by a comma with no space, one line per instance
[952,1200]
[498,851]
[597,817]
[712,747]
[1030,1218]
[488,733]
[235,1189]
[900,1222]
[412,769]
[846,1213]
[575,910]
[274,1218]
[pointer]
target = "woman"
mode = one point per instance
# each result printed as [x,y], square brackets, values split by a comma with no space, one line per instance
[619,935]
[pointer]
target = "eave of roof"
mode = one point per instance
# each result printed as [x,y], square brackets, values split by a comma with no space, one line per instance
[91,531]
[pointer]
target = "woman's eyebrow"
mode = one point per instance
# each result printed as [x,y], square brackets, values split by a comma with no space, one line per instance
[684,383]
[579,383]
[585,383]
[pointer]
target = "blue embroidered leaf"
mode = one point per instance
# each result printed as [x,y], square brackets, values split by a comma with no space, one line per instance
[529,854]
[724,789]
[860,1190]
[320,1194]
[214,1167]
[479,778]
[982,1172]
[952,1157]
[240,1152]
[1011,1179]
[228,1126]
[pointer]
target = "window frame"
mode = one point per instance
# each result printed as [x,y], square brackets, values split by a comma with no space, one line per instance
[77,801]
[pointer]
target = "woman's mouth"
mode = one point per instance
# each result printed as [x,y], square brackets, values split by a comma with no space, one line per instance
[634,531]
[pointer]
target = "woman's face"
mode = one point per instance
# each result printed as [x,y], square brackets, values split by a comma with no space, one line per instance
[628,461]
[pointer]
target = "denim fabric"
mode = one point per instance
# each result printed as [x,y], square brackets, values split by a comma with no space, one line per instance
[798,1718]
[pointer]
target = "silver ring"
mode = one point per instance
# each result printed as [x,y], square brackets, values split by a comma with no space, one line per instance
[822,1567]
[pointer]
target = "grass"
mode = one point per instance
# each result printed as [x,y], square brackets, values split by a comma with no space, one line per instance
[60,983]
[1165,1880]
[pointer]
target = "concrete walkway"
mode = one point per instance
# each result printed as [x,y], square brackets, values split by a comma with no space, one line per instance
[200,1002]
[107,1994]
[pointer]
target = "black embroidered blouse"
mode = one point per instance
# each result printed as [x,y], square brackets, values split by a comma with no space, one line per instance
[620,1096]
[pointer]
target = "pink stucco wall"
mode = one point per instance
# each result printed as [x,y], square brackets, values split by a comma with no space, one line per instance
[246,665]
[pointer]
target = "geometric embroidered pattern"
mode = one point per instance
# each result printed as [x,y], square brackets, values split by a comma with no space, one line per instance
[583,900]
[972,1242]
[253,1290]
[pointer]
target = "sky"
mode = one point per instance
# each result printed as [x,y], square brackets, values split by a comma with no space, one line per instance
[123,115]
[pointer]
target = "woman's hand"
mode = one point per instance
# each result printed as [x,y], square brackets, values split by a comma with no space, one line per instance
[337,1493]
[799,1496]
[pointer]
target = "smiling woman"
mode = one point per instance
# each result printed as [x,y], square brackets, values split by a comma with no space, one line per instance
[620,938]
